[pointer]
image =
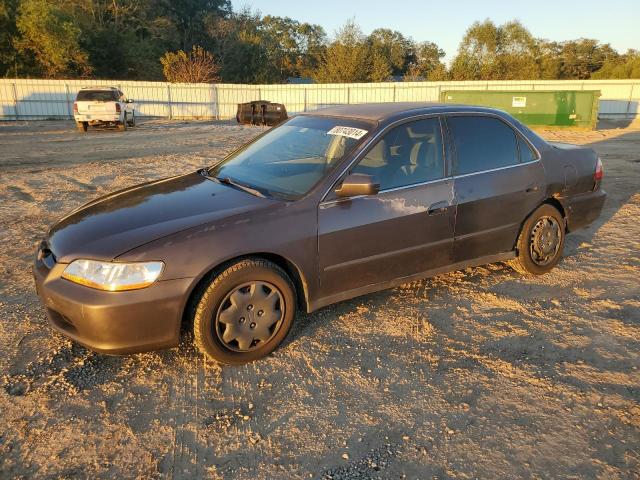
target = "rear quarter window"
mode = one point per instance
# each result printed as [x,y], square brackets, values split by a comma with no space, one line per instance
[97,96]
[482,143]
[526,153]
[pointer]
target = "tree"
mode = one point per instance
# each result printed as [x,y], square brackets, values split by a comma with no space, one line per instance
[623,67]
[51,36]
[281,42]
[393,48]
[292,47]
[313,40]
[121,37]
[124,39]
[185,19]
[427,63]
[8,33]
[476,58]
[198,66]
[490,52]
[380,70]
[580,58]
[549,59]
[346,58]
[517,53]
[245,54]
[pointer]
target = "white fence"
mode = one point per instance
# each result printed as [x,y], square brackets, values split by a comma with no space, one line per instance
[23,99]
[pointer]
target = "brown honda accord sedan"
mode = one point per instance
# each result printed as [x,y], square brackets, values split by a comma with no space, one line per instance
[329,205]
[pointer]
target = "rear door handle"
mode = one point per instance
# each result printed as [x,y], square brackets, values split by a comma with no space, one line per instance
[437,208]
[532,188]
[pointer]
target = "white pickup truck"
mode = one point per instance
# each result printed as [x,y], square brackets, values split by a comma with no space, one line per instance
[103,105]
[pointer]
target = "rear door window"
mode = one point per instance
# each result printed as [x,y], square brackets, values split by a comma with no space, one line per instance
[482,143]
[97,96]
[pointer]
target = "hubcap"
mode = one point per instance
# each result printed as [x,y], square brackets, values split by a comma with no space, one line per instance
[249,316]
[544,242]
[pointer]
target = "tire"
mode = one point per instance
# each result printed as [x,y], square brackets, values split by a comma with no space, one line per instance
[82,126]
[541,242]
[122,126]
[248,299]
[132,122]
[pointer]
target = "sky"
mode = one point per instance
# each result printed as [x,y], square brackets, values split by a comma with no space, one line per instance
[444,22]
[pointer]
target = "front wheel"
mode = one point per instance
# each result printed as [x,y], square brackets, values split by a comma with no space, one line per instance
[245,312]
[541,241]
[122,126]
[132,122]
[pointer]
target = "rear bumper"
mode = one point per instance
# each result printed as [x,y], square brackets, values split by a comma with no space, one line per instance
[113,322]
[583,209]
[97,118]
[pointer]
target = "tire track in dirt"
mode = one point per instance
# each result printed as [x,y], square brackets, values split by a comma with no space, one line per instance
[233,387]
[249,445]
[185,443]
[198,388]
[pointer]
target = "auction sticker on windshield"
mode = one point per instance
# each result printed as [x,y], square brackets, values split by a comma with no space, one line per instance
[350,132]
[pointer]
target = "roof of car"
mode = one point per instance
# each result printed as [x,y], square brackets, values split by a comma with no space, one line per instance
[382,111]
[99,88]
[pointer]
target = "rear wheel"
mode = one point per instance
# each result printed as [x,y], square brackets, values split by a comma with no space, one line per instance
[245,312]
[122,126]
[541,241]
[82,126]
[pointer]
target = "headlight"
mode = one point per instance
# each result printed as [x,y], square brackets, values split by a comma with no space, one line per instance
[113,276]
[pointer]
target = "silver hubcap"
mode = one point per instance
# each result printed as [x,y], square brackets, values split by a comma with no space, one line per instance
[545,240]
[249,316]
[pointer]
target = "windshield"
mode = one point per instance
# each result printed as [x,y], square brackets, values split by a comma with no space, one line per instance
[290,159]
[97,95]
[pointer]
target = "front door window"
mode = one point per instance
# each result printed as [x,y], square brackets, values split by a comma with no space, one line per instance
[408,154]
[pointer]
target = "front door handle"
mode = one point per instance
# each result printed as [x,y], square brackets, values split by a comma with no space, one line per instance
[532,188]
[438,208]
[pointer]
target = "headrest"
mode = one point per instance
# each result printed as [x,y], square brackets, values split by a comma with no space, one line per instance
[424,154]
[421,130]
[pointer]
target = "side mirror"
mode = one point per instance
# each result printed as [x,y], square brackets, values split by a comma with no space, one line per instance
[358,184]
[130,100]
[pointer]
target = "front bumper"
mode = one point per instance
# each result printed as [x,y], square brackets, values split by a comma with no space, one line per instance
[111,322]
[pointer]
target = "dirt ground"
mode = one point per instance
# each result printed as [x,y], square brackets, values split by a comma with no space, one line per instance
[480,373]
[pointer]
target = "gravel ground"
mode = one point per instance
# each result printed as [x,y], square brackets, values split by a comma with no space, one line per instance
[479,373]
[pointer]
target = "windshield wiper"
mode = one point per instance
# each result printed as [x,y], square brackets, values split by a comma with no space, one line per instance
[236,184]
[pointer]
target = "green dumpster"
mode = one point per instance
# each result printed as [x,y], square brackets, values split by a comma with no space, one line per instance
[557,108]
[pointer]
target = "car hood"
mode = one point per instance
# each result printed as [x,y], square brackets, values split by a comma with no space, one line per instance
[114,224]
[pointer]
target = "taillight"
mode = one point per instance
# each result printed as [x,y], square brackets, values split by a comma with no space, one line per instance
[597,176]
[75,107]
[117,108]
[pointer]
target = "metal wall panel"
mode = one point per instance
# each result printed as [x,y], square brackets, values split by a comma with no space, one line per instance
[26,99]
